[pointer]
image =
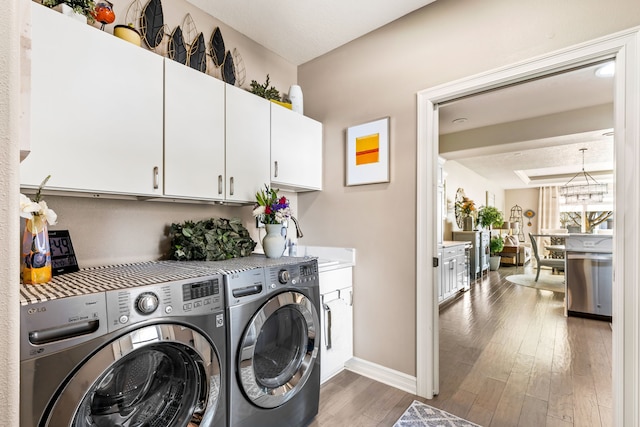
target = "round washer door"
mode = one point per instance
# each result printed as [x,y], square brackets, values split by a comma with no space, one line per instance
[159,375]
[278,349]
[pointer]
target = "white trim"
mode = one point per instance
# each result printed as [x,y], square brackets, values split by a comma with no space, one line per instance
[382,374]
[625,47]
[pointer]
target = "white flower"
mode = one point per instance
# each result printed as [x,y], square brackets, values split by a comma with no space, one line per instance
[49,214]
[259,210]
[27,207]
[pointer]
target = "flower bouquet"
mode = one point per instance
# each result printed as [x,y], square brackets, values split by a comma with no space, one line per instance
[273,210]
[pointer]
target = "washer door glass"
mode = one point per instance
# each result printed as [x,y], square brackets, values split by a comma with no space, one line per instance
[162,375]
[278,349]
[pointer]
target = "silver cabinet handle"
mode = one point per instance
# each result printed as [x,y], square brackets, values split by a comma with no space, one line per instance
[231,190]
[327,326]
[275,172]
[219,184]
[156,178]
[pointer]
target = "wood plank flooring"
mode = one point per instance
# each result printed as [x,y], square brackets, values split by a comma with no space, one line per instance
[508,357]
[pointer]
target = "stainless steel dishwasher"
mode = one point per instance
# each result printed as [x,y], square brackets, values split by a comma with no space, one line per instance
[589,278]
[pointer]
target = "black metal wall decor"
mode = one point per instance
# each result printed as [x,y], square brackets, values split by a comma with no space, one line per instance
[185,44]
[152,23]
[228,70]
[198,54]
[177,50]
[217,49]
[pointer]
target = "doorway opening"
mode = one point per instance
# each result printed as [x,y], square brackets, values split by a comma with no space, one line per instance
[622,47]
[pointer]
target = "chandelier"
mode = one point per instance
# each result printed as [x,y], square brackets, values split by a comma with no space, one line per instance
[576,193]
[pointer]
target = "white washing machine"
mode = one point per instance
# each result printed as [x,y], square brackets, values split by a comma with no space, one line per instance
[150,355]
[273,341]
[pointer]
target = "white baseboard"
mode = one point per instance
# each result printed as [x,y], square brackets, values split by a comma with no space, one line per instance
[382,374]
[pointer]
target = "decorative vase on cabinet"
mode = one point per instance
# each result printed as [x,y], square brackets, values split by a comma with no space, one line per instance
[467,223]
[36,252]
[295,95]
[274,242]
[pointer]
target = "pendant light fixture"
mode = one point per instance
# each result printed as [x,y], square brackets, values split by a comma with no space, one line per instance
[578,193]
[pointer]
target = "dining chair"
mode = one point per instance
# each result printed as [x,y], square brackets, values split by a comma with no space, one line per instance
[544,262]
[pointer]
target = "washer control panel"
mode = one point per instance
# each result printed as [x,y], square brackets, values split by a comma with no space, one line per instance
[192,297]
[301,274]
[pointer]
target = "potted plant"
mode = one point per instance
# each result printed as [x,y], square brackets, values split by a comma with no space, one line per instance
[490,217]
[81,7]
[496,244]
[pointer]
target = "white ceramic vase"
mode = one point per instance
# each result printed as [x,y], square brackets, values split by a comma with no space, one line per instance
[295,95]
[67,10]
[274,242]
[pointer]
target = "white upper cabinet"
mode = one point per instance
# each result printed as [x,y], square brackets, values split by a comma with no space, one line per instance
[247,144]
[96,110]
[296,150]
[194,134]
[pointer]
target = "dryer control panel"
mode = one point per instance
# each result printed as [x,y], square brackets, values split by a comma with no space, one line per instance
[193,297]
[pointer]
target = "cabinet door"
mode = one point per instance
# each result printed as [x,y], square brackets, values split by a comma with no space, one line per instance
[247,144]
[96,110]
[193,133]
[336,290]
[296,150]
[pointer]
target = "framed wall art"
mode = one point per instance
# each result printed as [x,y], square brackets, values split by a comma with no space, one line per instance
[368,153]
[491,199]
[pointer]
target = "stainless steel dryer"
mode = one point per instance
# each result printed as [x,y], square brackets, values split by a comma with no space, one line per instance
[140,356]
[274,337]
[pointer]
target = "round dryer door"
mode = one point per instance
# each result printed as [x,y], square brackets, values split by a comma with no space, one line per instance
[278,349]
[159,375]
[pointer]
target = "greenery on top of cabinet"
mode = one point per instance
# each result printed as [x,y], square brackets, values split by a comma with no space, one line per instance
[212,239]
[265,91]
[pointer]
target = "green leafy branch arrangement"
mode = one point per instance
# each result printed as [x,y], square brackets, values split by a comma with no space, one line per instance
[264,90]
[212,239]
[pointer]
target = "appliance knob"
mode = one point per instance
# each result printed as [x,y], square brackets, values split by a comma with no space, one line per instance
[147,303]
[283,276]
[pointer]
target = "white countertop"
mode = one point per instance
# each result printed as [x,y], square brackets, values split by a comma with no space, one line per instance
[329,258]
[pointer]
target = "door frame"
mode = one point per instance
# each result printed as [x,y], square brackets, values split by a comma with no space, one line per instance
[625,48]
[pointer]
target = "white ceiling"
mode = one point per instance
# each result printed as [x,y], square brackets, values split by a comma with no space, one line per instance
[300,31]
[551,160]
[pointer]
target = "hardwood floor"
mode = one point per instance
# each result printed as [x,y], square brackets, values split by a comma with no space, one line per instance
[508,357]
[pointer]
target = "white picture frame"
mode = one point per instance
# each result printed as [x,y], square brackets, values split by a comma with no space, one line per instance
[367,157]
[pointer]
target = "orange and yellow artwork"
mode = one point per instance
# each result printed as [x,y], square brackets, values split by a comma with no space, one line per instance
[368,149]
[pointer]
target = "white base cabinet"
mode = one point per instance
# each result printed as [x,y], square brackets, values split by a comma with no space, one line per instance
[296,150]
[453,277]
[96,110]
[336,321]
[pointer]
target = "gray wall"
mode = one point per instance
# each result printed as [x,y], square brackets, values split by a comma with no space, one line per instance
[378,75]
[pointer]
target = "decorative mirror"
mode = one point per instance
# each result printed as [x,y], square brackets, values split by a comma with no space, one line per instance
[457,207]
[529,214]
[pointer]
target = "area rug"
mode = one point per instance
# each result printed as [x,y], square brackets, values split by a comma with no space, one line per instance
[419,414]
[546,281]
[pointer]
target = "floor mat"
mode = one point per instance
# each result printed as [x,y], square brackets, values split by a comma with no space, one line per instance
[547,281]
[419,414]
